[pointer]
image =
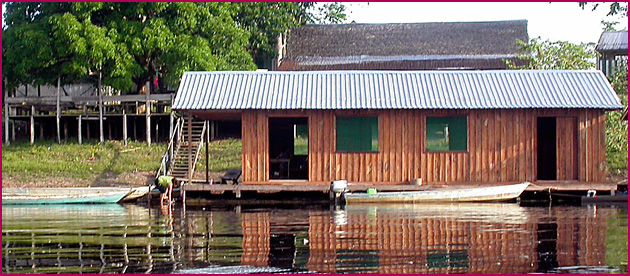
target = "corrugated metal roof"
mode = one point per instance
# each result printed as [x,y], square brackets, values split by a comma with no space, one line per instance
[395,90]
[613,41]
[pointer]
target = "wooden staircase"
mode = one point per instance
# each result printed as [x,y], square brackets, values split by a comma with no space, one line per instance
[185,145]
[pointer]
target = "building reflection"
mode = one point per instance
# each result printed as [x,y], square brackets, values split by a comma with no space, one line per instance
[386,239]
[463,238]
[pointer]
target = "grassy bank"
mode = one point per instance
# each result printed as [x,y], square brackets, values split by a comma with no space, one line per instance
[91,162]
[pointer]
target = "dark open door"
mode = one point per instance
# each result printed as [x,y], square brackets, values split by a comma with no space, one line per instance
[546,134]
[288,148]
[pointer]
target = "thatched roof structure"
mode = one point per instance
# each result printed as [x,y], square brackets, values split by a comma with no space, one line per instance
[403,46]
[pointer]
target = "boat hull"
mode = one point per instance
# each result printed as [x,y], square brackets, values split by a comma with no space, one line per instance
[15,196]
[476,194]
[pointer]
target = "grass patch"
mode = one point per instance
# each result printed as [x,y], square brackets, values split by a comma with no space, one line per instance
[26,162]
[47,159]
[224,154]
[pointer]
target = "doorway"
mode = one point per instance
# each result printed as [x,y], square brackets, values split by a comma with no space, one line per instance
[546,133]
[288,148]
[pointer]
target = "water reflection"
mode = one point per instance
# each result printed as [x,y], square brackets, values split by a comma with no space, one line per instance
[397,239]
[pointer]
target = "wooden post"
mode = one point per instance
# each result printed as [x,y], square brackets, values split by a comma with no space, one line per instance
[157,129]
[207,157]
[100,109]
[212,133]
[148,116]
[12,129]
[124,127]
[190,157]
[65,130]
[6,119]
[41,131]
[32,124]
[170,136]
[79,134]
[58,110]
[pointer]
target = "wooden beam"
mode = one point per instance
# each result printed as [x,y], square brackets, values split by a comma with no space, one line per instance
[58,110]
[51,100]
[32,125]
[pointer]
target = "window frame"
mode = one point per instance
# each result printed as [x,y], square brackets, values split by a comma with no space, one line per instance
[426,127]
[378,134]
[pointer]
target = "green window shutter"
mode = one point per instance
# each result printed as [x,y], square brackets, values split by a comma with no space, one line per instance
[447,134]
[357,134]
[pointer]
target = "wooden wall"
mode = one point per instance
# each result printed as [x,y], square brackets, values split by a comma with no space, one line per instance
[501,147]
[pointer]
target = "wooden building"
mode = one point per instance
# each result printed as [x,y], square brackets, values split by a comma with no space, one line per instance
[392,127]
[401,46]
[613,49]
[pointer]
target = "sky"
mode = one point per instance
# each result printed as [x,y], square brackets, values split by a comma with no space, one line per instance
[559,21]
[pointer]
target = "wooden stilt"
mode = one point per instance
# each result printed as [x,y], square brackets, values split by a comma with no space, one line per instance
[41,131]
[148,116]
[190,157]
[32,124]
[157,130]
[100,109]
[124,127]
[6,119]
[135,134]
[59,110]
[207,138]
[13,131]
[65,130]
[79,134]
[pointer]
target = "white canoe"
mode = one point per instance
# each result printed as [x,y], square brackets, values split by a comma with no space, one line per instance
[447,194]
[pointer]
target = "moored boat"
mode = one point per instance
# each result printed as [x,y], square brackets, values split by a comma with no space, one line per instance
[63,195]
[447,194]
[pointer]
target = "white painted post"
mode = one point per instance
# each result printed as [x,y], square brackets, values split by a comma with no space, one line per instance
[100,109]
[79,134]
[32,124]
[58,110]
[124,127]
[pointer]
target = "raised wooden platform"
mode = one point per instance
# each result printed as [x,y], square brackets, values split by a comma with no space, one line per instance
[302,186]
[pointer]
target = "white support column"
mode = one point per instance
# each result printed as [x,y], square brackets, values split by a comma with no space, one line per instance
[32,117]
[59,110]
[124,127]
[79,133]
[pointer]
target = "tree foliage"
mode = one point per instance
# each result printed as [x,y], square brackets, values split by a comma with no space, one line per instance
[556,55]
[131,43]
[616,128]
[615,8]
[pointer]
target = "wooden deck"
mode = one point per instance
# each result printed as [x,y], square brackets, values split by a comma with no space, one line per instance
[292,186]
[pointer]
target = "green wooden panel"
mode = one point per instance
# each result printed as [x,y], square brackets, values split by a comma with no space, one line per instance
[447,134]
[356,134]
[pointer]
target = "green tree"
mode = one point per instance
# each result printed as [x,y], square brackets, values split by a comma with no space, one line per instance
[556,55]
[616,128]
[265,21]
[129,43]
[615,8]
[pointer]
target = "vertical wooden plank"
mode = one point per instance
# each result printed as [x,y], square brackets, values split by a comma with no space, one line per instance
[503,145]
[601,145]
[384,153]
[79,132]
[148,116]
[404,176]
[422,136]
[58,113]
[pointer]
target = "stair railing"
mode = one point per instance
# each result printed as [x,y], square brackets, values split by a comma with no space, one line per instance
[198,149]
[169,155]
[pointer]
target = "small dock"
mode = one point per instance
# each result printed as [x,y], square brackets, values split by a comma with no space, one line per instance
[260,188]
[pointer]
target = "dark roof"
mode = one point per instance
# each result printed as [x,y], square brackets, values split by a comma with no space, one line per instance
[327,45]
[613,42]
[331,90]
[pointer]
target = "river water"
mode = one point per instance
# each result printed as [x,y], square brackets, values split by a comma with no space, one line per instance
[399,239]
